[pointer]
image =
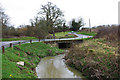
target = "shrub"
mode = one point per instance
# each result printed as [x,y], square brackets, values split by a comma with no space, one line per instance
[108,32]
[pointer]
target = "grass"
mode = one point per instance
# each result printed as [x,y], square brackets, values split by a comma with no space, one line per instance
[15,39]
[87,33]
[63,35]
[94,59]
[37,51]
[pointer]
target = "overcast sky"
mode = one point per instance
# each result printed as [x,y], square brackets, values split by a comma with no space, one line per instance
[100,12]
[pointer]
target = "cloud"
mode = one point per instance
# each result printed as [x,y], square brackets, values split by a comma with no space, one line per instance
[99,11]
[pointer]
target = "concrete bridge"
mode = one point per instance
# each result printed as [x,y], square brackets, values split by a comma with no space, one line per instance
[64,42]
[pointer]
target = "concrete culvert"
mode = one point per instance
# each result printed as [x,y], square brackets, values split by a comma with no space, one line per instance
[64,45]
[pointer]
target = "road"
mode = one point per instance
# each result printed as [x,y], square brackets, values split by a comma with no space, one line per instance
[6,43]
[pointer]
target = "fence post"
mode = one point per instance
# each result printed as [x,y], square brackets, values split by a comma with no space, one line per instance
[11,45]
[19,43]
[3,49]
[31,41]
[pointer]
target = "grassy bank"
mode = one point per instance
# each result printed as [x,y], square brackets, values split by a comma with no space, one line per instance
[30,54]
[95,59]
[15,39]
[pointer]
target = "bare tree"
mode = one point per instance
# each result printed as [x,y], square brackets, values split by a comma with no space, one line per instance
[4,20]
[53,16]
[40,29]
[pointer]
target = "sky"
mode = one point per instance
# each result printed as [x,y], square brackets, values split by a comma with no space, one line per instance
[100,12]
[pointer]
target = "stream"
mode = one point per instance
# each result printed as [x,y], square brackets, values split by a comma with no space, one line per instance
[55,67]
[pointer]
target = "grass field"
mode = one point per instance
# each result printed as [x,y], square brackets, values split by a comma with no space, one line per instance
[30,54]
[15,39]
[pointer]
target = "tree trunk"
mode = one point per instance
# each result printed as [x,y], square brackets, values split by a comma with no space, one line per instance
[53,34]
[39,39]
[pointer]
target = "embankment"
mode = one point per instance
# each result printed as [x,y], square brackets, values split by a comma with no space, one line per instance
[28,53]
[95,59]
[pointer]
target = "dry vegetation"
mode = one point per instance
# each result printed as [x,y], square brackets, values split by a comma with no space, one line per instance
[97,58]
[110,33]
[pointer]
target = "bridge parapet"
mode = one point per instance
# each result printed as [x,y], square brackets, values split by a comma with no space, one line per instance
[64,43]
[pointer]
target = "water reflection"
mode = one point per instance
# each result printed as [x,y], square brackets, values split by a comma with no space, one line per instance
[54,67]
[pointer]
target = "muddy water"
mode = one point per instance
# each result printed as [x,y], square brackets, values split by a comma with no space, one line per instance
[54,67]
